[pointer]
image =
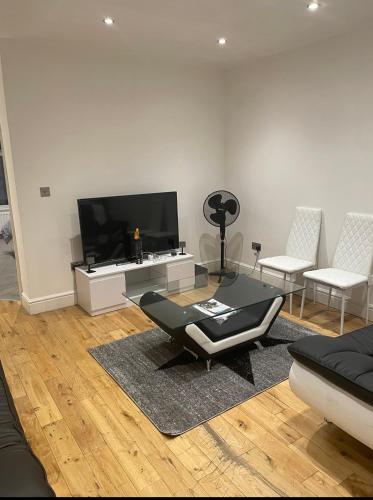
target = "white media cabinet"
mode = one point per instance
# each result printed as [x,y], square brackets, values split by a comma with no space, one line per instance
[102,291]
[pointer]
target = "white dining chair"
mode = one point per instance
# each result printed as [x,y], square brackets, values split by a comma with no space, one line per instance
[352,263]
[302,246]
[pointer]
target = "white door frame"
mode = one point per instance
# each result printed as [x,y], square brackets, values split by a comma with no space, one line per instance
[11,190]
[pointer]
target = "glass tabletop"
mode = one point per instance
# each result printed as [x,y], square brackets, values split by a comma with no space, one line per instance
[199,297]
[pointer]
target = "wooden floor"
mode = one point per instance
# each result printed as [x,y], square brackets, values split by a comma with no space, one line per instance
[93,441]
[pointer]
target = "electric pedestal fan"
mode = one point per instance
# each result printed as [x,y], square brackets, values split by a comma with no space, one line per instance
[221,209]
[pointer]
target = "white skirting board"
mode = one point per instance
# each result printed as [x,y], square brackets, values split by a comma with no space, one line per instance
[48,303]
[66,299]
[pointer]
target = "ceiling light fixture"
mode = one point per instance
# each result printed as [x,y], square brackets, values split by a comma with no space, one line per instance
[109,21]
[313,6]
[222,41]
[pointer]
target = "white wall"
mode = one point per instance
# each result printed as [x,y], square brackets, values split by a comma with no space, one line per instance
[300,132]
[89,124]
[295,129]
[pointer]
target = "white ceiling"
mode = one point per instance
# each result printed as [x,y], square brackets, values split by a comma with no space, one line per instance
[185,29]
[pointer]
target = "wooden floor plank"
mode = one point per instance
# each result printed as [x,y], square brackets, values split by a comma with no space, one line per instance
[270,422]
[322,485]
[127,452]
[37,440]
[217,484]
[279,472]
[80,478]
[60,487]
[110,466]
[44,406]
[62,442]
[328,464]
[11,374]
[85,433]
[357,486]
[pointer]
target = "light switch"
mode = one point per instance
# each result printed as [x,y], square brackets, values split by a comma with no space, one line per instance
[45,191]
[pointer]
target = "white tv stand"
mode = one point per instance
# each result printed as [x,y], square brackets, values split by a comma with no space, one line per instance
[102,291]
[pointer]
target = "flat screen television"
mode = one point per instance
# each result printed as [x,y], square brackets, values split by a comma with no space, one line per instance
[108,224]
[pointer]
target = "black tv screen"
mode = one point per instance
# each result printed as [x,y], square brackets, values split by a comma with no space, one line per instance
[107,225]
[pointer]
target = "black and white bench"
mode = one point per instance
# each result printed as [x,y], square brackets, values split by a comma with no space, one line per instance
[208,338]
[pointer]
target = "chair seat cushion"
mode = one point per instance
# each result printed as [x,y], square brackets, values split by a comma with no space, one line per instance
[345,361]
[241,321]
[286,264]
[336,278]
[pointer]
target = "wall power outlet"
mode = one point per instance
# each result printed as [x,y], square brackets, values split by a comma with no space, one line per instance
[256,246]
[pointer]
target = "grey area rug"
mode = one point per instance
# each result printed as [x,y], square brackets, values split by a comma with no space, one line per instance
[177,393]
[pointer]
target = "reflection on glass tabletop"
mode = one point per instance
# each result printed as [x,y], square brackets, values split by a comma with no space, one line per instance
[198,297]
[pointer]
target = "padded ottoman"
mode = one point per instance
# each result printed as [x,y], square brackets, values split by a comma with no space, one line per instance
[335,377]
[21,474]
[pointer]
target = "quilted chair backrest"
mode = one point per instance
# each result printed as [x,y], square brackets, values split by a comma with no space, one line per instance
[303,242]
[355,247]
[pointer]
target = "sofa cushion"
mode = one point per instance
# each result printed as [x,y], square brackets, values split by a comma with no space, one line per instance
[345,361]
[21,474]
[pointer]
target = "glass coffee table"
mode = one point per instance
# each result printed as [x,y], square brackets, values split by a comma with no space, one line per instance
[209,318]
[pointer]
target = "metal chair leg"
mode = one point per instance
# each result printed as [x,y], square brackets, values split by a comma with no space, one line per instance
[314,292]
[343,312]
[303,299]
[330,297]
[293,279]
[261,273]
[208,365]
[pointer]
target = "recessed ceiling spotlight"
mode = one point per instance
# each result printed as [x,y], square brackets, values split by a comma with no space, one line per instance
[222,41]
[109,21]
[313,5]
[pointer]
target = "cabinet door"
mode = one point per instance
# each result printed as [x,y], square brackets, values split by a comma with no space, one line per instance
[108,292]
[180,270]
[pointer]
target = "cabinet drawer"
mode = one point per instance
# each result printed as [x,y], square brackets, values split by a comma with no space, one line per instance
[107,292]
[180,270]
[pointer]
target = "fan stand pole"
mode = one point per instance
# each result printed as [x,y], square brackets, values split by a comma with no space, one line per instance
[222,250]
[222,260]
[221,273]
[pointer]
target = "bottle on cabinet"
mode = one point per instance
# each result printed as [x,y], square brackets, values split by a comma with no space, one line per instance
[138,246]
